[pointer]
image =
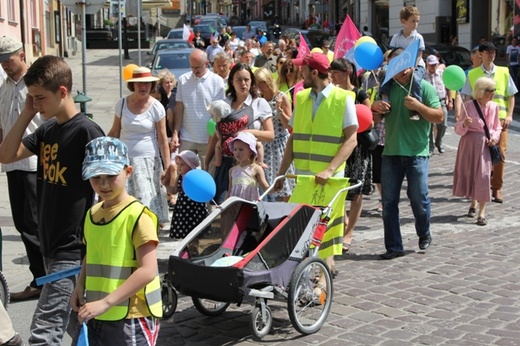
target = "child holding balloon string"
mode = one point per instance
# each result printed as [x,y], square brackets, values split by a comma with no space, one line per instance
[246,176]
[187,213]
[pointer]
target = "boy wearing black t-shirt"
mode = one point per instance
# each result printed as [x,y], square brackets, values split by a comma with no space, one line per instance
[63,196]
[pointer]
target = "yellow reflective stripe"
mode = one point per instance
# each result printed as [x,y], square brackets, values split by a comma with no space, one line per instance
[500,97]
[327,139]
[109,272]
[313,157]
[321,158]
[316,138]
[301,136]
[154,297]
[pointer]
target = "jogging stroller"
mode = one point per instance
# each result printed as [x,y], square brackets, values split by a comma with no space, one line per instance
[262,250]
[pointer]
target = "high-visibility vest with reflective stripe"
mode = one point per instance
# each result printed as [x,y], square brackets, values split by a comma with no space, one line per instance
[110,260]
[501,77]
[316,142]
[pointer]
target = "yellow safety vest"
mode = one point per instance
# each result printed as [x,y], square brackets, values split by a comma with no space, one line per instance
[110,260]
[501,77]
[316,141]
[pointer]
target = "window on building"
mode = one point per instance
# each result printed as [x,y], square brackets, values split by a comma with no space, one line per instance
[11,13]
[34,11]
[48,30]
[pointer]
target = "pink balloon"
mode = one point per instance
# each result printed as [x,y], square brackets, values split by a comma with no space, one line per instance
[364,115]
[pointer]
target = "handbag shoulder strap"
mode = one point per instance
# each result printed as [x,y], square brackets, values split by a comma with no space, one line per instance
[479,111]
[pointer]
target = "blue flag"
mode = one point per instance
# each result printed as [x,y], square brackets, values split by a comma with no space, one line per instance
[406,59]
[349,55]
[83,336]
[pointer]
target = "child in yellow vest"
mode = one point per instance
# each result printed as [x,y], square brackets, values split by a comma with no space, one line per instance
[119,276]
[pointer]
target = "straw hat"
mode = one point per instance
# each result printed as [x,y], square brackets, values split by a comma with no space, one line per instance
[142,74]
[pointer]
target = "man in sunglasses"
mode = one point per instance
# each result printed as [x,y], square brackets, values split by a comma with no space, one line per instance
[504,96]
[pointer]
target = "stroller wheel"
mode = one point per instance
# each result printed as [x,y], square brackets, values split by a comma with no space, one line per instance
[310,295]
[4,290]
[169,298]
[261,325]
[209,307]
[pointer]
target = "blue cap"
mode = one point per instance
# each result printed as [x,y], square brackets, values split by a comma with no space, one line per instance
[104,155]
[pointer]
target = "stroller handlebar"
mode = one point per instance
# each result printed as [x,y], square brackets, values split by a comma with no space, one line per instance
[294,176]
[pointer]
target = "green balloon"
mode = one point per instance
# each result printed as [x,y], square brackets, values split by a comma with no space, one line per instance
[454,77]
[211,127]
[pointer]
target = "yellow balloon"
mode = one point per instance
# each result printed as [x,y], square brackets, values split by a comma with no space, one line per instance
[128,70]
[365,39]
[316,50]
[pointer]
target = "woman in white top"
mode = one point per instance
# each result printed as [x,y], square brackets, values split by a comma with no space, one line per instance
[243,97]
[140,122]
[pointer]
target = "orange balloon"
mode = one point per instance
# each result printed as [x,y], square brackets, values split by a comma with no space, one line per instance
[365,39]
[128,70]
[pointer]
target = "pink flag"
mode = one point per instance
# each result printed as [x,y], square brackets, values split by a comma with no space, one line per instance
[347,37]
[303,49]
[297,88]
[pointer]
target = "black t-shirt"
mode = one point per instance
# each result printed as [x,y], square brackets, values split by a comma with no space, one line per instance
[63,196]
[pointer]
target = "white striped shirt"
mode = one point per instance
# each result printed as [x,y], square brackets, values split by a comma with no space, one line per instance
[12,101]
[196,94]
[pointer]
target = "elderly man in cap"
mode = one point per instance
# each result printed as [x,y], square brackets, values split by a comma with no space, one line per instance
[504,96]
[433,75]
[406,156]
[324,127]
[21,175]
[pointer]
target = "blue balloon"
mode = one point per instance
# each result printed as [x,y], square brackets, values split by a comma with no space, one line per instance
[368,55]
[199,185]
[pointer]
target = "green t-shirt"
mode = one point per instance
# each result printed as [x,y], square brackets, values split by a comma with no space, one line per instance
[405,137]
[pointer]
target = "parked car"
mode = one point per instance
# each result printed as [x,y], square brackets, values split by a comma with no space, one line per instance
[175,60]
[239,30]
[206,31]
[261,24]
[215,22]
[173,43]
[452,55]
[175,34]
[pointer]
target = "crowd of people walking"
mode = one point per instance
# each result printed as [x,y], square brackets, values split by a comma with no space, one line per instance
[248,111]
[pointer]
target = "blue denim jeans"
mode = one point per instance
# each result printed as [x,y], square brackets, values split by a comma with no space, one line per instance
[51,316]
[393,172]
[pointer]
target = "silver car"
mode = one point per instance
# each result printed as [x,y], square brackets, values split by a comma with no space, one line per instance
[175,60]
